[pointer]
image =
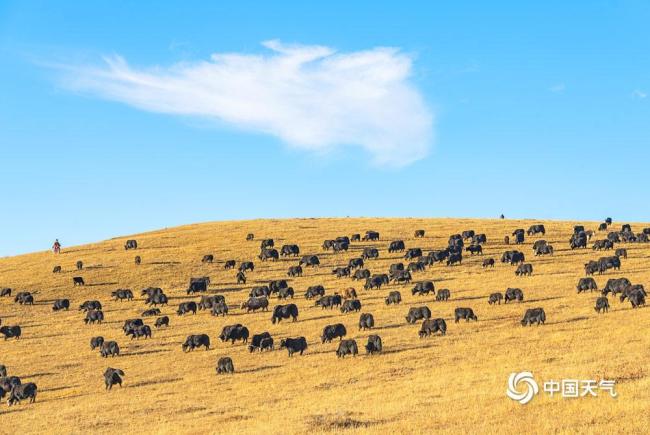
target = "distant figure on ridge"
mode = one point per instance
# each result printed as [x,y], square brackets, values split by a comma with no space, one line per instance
[56,247]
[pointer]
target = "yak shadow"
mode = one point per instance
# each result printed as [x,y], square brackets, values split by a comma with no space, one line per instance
[39,375]
[260,369]
[162,263]
[392,326]
[97,284]
[406,349]
[146,352]
[153,382]
[11,411]
[469,298]
[68,387]
[542,299]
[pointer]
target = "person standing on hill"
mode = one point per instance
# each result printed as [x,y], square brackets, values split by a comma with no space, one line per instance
[56,247]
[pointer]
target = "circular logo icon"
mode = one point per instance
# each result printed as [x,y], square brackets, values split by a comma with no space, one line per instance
[523,380]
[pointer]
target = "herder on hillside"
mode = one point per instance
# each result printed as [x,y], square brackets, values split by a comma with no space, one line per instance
[56,247]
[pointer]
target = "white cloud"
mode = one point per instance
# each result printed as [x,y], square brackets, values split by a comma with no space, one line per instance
[638,93]
[311,97]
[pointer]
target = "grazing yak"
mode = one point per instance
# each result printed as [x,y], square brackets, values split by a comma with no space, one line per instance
[260,291]
[78,281]
[309,261]
[351,305]
[294,345]
[393,297]
[454,258]
[198,285]
[361,274]
[341,272]
[602,305]
[151,312]
[329,301]
[534,315]
[250,236]
[355,238]
[431,326]
[488,262]
[371,236]
[347,347]
[290,250]
[495,298]
[330,332]
[195,341]
[294,271]
[94,316]
[418,313]
[241,278]
[349,293]
[225,365]
[474,249]
[219,309]
[413,253]
[11,332]
[314,290]
[24,298]
[261,342]
[80,265]
[513,257]
[621,252]
[186,307]
[130,324]
[355,263]
[267,243]
[130,244]
[374,345]
[138,260]
[443,294]
[233,333]
[122,294]
[369,253]
[585,284]
[284,312]
[162,321]
[109,348]
[366,321]
[464,313]
[5,292]
[423,288]
[229,264]
[524,270]
[61,304]
[207,302]
[514,294]
[286,293]
[22,392]
[255,303]
[536,229]
[140,331]
[269,254]
[246,266]
[96,342]
[418,234]
[400,277]
[208,258]
[57,269]
[113,377]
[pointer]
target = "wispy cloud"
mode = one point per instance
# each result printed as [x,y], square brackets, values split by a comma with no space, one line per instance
[638,93]
[311,97]
[557,88]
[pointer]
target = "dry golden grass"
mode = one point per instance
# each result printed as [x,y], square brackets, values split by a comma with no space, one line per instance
[454,383]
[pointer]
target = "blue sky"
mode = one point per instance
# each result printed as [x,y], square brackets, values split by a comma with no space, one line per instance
[533,110]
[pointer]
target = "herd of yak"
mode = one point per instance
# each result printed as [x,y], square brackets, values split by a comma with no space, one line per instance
[347,301]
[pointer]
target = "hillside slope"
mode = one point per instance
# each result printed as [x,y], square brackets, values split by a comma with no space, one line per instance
[446,384]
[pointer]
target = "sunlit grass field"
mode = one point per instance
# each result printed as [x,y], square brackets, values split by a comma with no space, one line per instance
[455,383]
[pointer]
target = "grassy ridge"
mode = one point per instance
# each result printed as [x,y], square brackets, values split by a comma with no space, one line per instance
[447,384]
